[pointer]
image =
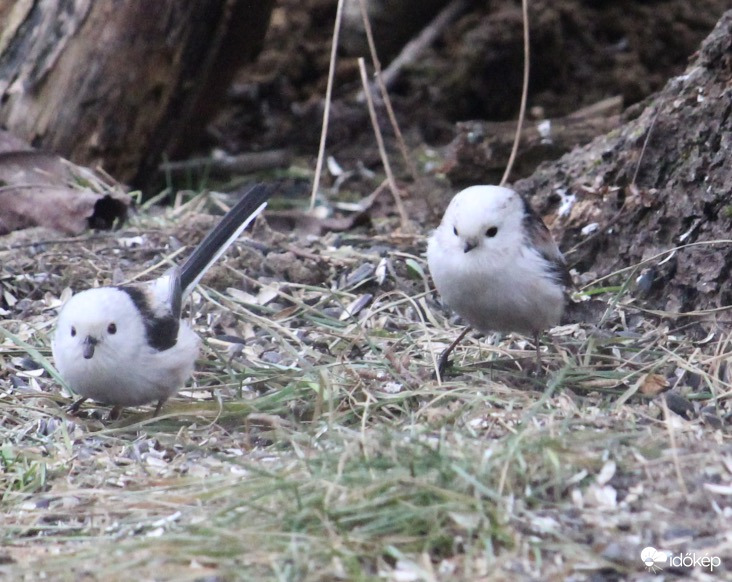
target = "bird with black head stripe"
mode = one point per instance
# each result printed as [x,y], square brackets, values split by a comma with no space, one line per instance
[127,345]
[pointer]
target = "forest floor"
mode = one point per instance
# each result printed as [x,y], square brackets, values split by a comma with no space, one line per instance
[316,443]
[320,445]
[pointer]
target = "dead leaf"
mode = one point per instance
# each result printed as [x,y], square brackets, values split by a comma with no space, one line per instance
[653,384]
[606,473]
[30,168]
[12,143]
[68,210]
[42,189]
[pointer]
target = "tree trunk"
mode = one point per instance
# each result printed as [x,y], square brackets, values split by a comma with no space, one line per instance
[655,196]
[120,83]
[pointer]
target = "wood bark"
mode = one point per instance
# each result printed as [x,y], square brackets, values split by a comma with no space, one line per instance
[652,200]
[480,151]
[120,83]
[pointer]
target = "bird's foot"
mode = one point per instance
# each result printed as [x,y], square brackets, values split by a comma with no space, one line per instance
[443,363]
[538,368]
[115,413]
[74,407]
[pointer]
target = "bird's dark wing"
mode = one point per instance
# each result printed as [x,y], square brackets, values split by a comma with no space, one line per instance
[539,237]
[161,323]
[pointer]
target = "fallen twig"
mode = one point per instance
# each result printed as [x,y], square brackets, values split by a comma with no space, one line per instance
[226,165]
[415,47]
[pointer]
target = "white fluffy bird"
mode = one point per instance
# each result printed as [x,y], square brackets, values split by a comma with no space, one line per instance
[496,264]
[127,345]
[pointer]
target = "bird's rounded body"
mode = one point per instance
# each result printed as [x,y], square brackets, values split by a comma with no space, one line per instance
[126,369]
[495,266]
[128,345]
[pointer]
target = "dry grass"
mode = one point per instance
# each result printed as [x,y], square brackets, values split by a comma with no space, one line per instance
[323,448]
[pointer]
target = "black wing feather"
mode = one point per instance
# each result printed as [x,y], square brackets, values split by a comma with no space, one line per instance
[161,331]
[539,236]
[200,259]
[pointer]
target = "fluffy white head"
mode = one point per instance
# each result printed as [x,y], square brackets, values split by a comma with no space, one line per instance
[483,217]
[94,326]
[492,262]
[101,348]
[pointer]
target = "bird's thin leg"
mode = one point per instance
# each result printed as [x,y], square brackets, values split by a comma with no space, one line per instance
[538,353]
[158,407]
[444,356]
[74,408]
[115,412]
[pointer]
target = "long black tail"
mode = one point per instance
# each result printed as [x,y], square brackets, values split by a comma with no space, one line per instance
[222,236]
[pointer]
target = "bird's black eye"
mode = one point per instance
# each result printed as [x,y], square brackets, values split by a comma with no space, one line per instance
[112,329]
[73,331]
[454,229]
[491,232]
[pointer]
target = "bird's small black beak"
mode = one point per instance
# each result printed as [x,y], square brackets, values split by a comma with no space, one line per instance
[469,245]
[87,347]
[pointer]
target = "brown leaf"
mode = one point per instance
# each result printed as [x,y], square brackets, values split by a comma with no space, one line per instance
[29,168]
[12,143]
[653,384]
[42,189]
[68,210]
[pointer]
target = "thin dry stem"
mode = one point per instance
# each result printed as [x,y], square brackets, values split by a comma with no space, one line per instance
[385,93]
[524,93]
[382,149]
[328,99]
[656,257]
[646,140]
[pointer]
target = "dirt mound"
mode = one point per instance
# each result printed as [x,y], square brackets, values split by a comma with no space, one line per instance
[654,197]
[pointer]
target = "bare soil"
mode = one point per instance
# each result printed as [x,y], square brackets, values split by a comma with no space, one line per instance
[582,52]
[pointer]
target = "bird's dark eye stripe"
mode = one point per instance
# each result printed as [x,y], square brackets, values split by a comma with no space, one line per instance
[112,328]
[73,331]
[491,232]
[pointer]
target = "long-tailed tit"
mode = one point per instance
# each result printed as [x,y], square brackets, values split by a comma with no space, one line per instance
[496,264]
[127,345]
